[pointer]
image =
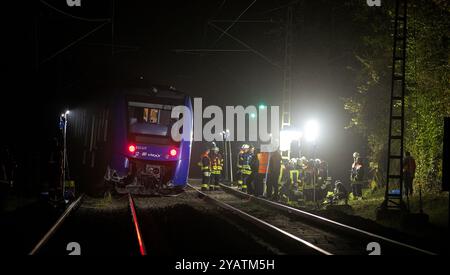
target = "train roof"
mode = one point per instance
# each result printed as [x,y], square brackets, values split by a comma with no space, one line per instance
[92,91]
[154,91]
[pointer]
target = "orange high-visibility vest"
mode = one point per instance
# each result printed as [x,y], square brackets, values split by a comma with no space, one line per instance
[263,159]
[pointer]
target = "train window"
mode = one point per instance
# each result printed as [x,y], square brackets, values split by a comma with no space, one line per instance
[165,117]
[154,116]
[149,119]
[151,116]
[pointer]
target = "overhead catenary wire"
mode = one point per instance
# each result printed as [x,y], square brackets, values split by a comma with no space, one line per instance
[281,7]
[246,46]
[104,20]
[75,42]
[235,21]
[222,5]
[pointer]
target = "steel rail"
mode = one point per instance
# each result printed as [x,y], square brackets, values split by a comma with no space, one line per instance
[321,220]
[260,223]
[142,249]
[57,225]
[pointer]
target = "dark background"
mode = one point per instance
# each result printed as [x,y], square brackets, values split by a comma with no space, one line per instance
[146,35]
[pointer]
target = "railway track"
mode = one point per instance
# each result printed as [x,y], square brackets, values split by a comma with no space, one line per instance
[297,244]
[45,239]
[88,233]
[329,236]
[137,228]
[394,246]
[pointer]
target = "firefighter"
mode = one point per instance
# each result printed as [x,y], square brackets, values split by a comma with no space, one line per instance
[357,178]
[303,162]
[294,173]
[248,158]
[263,166]
[285,189]
[242,165]
[409,170]
[216,167]
[254,168]
[274,175]
[205,165]
[338,194]
[310,180]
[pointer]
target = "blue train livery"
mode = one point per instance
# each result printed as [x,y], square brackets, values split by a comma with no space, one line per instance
[124,143]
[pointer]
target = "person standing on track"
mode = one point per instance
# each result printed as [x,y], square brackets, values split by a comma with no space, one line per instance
[254,168]
[243,167]
[205,165]
[216,168]
[263,161]
[274,175]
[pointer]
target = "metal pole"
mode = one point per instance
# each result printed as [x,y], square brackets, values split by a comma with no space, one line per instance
[231,161]
[314,172]
[226,156]
[224,174]
[64,157]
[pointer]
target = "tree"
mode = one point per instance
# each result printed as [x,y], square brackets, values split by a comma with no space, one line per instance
[428,94]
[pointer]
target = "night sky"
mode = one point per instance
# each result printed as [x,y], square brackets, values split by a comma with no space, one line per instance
[147,35]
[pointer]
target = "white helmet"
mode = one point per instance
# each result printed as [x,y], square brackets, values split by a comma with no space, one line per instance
[245,147]
[356,155]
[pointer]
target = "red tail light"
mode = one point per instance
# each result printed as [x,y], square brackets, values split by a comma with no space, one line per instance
[132,148]
[173,152]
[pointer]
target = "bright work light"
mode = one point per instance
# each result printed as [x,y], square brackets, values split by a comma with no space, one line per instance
[312,130]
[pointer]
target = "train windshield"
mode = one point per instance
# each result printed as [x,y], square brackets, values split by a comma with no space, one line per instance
[150,119]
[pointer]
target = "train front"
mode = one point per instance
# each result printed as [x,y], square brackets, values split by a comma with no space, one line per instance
[155,163]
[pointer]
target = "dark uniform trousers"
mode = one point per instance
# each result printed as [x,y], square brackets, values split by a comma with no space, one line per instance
[272,184]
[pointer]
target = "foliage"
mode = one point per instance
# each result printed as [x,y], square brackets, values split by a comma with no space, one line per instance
[428,79]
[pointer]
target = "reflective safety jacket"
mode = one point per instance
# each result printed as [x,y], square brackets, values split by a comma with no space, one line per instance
[205,163]
[245,162]
[263,160]
[216,163]
[240,161]
[294,173]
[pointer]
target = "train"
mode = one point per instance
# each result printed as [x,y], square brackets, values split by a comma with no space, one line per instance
[120,141]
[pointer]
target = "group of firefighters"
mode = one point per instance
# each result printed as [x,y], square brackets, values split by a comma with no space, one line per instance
[253,166]
[302,179]
[212,166]
[261,172]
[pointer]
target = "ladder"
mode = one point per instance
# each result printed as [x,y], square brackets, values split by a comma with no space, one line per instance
[394,182]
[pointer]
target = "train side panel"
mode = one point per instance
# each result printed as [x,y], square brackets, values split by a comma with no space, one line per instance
[99,142]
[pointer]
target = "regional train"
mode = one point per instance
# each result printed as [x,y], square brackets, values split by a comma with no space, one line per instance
[121,141]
